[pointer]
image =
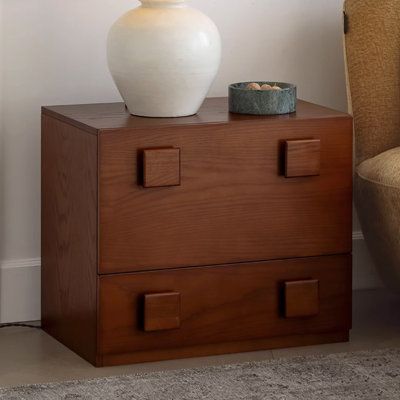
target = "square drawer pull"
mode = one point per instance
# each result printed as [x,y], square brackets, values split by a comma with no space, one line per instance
[162,311]
[301,298]
[302,158]
[161,167]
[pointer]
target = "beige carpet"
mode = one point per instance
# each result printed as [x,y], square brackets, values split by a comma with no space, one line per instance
[367,375]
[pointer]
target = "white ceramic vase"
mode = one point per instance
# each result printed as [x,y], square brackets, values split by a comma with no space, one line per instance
[163,57]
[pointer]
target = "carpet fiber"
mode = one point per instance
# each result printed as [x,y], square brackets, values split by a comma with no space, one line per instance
[363,375]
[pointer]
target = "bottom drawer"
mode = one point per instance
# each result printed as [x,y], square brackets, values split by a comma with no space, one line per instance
[158,314]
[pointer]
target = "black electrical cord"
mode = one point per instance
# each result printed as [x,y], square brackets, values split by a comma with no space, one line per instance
[20,325]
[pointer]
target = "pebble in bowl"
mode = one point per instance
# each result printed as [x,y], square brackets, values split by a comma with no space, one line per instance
[262,98]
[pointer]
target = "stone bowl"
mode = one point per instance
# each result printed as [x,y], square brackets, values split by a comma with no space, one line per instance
[262,102]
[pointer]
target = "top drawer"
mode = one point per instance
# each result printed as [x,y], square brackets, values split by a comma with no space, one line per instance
[215,194]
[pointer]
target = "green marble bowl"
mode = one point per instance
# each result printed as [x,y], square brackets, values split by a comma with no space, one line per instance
[262,102]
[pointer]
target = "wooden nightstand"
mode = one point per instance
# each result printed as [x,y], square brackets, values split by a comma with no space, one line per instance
[166,238]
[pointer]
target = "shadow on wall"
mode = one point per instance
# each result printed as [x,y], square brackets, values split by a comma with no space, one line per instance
[52,52]
[2,189]
[307,49]
[2,225]
[365,274]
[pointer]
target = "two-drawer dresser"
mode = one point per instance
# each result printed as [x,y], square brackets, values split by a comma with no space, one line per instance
[210,234]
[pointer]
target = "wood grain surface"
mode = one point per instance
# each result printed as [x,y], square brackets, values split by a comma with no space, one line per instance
[230,303]
[162,311]
[233,204]
[69,236]
[302,158]
[161,167]
[96,118]
[301,298]
[278,342]
[133,274]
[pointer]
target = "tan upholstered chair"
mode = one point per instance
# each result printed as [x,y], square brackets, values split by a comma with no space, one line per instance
[372,45]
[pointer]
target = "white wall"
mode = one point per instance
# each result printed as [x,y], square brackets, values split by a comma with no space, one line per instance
[53,52]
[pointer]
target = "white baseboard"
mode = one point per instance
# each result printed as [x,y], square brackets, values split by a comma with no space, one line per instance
[20,290]
[365,275]
[20,283]
[358,235]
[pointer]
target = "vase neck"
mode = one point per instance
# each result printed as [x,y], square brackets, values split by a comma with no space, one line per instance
[162,3]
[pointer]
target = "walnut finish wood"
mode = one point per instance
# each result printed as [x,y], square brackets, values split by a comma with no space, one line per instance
[69,236]
[223,348]
[162,311]
[161,167]
[220,304]
[207,239]
[97,118]
[303,158]
[302,298]
[234,203]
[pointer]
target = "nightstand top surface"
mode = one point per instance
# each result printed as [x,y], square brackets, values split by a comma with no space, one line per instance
[113,116]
